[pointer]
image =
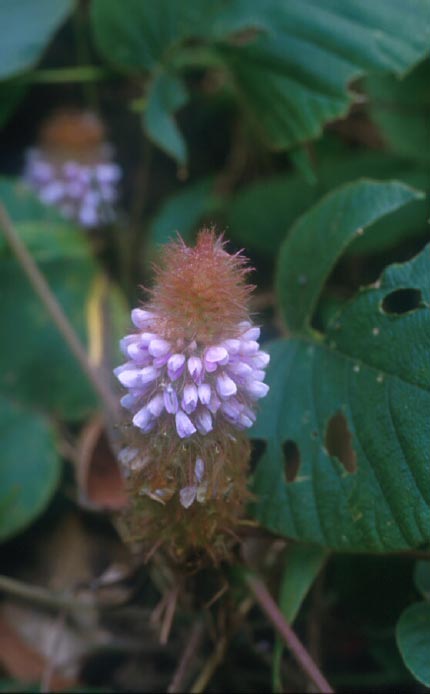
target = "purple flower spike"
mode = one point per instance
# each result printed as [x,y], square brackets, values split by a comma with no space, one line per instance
[184,425]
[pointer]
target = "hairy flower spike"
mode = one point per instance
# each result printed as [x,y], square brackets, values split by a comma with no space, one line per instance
[72,169]
[194,373]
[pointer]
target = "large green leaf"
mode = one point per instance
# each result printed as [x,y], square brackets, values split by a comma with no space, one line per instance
[290,63]
[38,367]
[325,232]
[413,639]
[346,420]
[260,214]
[26,29]
[293,78]
[401,108]
[29,467]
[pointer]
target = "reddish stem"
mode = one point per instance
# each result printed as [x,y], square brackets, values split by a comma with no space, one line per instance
[272,611]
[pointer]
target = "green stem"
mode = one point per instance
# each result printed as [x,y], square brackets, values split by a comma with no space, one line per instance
[84,73]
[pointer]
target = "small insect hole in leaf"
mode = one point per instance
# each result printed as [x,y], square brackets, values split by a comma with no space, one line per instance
[402,301]
[258,448]
[291,458]
[338,442]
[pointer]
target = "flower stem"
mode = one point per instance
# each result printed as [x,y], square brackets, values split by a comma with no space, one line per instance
[270,608]
[42,289]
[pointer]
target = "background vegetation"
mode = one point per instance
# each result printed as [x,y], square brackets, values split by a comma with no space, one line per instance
[302,129]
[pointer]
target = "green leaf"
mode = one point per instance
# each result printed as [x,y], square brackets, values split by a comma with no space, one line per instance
[38,367]
[260,215]
[166,95]
[346,421]
[401,107]
[413,640]
[26,32]
[303,564]
[29,467]
[422,578]
[183,211]
[293,78]
[325,232]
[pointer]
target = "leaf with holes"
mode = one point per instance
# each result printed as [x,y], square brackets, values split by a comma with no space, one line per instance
[346,420]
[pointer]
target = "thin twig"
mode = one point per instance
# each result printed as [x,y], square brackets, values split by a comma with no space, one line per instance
[186,658]
[270,608]
[41,596]
[56,637]
[218,653]
[42,289]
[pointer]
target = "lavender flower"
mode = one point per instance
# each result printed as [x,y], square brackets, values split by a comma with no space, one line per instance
[193,386]
[72,170]
[194,372]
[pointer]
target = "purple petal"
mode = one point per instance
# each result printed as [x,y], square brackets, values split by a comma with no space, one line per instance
[257,389]
[231,409]
[217,354]
[129,378]
[148,374]
[126,341]
[214,403]
[129,401]
[184,425]
[189,399]
[159,347]
[175,366]
[232,346]
[199,469]
[249,347]
[240,368]
[203,421]
[259,374]
[156,405]
[158,362]
[141,318]
[187,496]
[139,354]
[145,338]
[195,367]
[225,385]
[143,419]
[204,391]
[251,334]
[261,359]
[170,400]
[245,421]
[211,366]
